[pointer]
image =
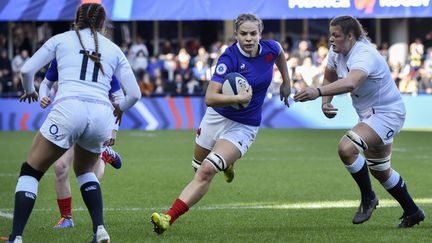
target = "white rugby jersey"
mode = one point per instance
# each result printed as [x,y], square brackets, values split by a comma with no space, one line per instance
[78,74]
[378,92]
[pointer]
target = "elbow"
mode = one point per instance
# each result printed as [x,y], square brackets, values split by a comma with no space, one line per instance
[349,87]
[209,101]
[25,71]
[136,97]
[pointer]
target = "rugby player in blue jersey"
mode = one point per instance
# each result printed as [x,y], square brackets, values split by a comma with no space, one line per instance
[63,164]
[225,133]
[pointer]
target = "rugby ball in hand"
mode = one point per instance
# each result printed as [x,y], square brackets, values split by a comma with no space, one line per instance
[231,86]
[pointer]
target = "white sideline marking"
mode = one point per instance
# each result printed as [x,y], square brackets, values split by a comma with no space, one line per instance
[383,203]
[6,215]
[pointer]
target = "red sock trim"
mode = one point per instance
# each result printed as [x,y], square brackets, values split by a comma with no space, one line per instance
[65,206]
[177,209]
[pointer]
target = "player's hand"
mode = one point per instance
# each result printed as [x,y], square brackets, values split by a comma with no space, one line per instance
[244,95]
[117,113]
[329,110]
[306,94]
[284,92]
[45,102]
[29,97]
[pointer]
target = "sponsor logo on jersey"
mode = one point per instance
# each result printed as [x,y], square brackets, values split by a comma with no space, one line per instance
[54,130]
[221,68]
[242,66]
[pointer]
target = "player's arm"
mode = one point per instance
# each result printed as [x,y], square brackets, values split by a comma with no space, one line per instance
[51,76]
[330,76]
[354,78]
[129,85]
[215,98]
[345,85]
[285,88]
[41,58]
[44,91]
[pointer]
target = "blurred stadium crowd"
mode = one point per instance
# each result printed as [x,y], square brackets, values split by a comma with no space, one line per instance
[183,68]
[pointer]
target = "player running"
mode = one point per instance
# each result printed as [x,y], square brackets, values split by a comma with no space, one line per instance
[225,134]
[355,66]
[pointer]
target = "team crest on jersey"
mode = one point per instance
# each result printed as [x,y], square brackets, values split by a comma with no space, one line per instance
[221,69]
[269,57]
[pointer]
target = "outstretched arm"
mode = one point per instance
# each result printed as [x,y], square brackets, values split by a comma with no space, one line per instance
[285,88]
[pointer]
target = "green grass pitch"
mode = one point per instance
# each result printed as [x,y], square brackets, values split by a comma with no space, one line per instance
[289,187]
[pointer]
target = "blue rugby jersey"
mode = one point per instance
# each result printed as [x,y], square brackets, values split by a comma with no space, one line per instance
[52,75]
[257,70]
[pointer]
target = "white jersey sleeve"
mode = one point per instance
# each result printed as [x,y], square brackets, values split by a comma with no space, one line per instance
[44,88]
[41,58]
[129,84]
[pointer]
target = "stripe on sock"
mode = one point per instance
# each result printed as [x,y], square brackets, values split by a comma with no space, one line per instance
[27,184]
[87,177]
[392,180]
[357,165]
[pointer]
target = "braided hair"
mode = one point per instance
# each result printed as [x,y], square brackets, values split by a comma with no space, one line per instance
[90,15]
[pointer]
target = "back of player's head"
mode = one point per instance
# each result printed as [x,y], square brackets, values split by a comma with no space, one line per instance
[349,24]
[248,17]
[90,15]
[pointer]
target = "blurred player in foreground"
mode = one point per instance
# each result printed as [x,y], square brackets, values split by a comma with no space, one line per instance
[354,65]
[225,133]
[63,164]
[81,116]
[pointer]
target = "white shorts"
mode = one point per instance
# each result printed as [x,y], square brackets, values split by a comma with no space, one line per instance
[76,121]
[215,126]
[386,125]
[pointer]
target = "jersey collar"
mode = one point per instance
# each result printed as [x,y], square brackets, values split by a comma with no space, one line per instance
[246,54]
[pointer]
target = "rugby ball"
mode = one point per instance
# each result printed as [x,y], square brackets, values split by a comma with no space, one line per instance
[231,86]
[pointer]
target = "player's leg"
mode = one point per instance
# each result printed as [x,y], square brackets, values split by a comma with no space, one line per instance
[200,153]
[63,189]
[378,158]
[223,154]
[84,165]
[232,142]
[99,169]
[87,152]
[43,153]
[352,144]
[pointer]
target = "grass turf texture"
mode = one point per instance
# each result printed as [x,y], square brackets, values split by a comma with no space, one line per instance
[282,168]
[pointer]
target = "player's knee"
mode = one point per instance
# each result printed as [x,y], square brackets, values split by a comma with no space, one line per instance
[379,164]
[27,170]
[217,161]
[61,168]
[205,173]
[346,149]
[196,164]
[356,144]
